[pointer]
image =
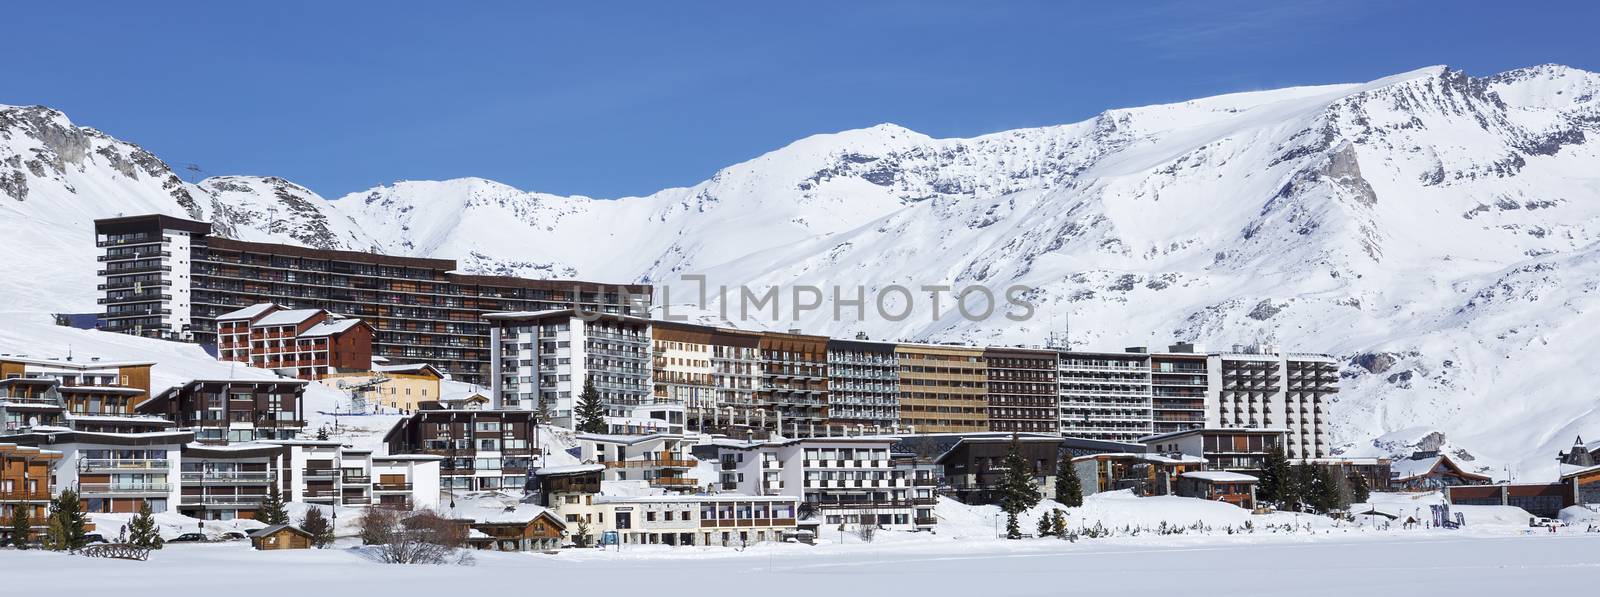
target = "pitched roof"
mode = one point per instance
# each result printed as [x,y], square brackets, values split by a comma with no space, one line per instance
[1220,477]
[250,312]
[330,327]
[288,317]
[270,529]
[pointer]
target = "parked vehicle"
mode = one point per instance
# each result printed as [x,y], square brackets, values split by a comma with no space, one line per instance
[94,538]
[233,536]
[188,538]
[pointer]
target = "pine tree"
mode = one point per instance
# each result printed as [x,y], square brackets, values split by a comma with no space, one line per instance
[1018,491]
[1044,527]
[21,526]
[543,414]
[591,415]
[1326,494]
[1302,487]
[272,510]
[67,523]
[1058,523]
[1069,489]
[315,523]
[142,529]
[322,434]
[1276,478]
[1359,492]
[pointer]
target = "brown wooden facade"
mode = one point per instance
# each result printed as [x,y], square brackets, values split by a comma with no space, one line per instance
[25,485]
[943,388]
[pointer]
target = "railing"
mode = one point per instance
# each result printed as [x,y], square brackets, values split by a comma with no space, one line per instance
[920,520]
[392,487]
[321,473]
[221,500]
[356,500]
[925,482]
[122,464]
[99,488]
[231,477]
[674,481]
[661,462]
[24,495]
[358,479]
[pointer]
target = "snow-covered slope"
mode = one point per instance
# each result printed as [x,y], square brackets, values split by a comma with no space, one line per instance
[1435,229]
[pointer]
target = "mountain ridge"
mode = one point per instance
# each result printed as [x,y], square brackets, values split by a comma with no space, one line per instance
[1431,228]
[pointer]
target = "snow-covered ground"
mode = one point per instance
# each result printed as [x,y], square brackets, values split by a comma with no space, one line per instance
[1428,563]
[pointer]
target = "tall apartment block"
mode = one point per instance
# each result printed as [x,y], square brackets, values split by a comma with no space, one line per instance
[943,388]
[863,386]
[794,382]
[1105,395]
[683,369]
[168,277]
[1179,388]
[1260,387]
[1022,390]
[546,356]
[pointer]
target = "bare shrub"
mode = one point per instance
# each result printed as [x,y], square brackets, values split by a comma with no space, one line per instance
[414,537]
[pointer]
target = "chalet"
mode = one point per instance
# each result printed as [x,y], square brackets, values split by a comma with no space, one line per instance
[280,536]
[483,450]
[1429,471]
[220,411]
[397,386]
[1583,485]
[500,522]
[115,472]
[300,343]
[1222,486]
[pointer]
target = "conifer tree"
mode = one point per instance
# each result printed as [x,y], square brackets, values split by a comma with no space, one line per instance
[21,526]
[317,525]
[1018,491]
[67,523]
[142,529]
[272,510]
[1058,523]
[1359,492]
[1044,527]
[591,415]
[1069,489]
[1276,478]
[543,414]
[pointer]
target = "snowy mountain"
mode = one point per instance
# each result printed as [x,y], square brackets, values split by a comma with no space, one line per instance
[1435,229]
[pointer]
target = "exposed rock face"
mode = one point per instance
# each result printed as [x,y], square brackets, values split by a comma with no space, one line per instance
[1436,230]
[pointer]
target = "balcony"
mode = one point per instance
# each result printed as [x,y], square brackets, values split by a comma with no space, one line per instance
[925,521]
[925,482]
[673,482]
[250,501]
[392,487]
[658,463]
[120,465]
[124,489]
[23,495]
[357,479]
[355,500]
[226,478]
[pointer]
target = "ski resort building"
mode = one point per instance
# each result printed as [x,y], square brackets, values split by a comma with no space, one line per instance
[794,382]
[975,467]
[26,485]
[863,386]
[219,411]
[1238,489]
[1260,387]
[91,387]
[1224,449]
[1104,395]
[547,356]
[300,343]
[661,460]
[1022,391]
[1179,389]
[401,387]
[851,481]
[699,519]
[482,450]
[943,388]
[170,278]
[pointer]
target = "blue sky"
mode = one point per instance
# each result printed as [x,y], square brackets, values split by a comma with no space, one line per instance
[620,98]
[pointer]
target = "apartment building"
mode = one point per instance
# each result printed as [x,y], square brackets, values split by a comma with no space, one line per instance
[794,382]
[851,481]
[168,277]
[1104,395]
[406,481]
[147,275]
[547,356]
[975,466]
[726,519]
[1178,387]
[115,472]
[86,387]
[863,386]
[943,388]
[482,450]
[25,485]
[661,460]
[300,343]
[1023,395]
[682,370]
[220,411]
[1225,449]
[229,481]
[1261,387]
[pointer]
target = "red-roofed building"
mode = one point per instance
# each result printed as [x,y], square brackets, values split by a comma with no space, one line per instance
[304,343]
